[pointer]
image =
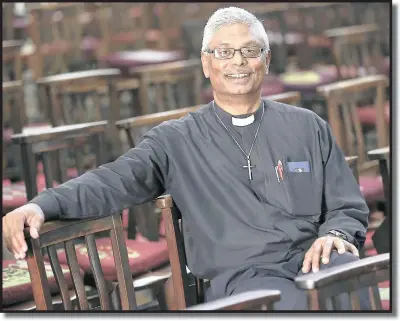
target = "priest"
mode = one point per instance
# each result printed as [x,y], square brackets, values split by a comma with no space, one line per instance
[264,190]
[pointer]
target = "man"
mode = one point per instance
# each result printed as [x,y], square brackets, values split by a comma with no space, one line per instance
[263,188]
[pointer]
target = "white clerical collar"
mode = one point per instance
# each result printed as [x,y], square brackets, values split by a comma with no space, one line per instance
[243,121]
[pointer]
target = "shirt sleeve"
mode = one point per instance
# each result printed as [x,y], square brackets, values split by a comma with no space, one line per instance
[344,207]
[136,177]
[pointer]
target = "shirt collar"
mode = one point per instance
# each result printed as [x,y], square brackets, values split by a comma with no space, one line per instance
[239,120]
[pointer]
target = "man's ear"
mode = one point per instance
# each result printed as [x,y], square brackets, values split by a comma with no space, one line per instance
[204,63]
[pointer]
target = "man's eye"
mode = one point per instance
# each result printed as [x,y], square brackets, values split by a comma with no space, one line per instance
[223,52]
[250,50]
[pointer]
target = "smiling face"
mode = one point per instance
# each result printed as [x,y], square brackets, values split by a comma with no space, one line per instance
[238,75]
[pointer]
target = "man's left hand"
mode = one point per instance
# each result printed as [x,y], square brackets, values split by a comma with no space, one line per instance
[322,248]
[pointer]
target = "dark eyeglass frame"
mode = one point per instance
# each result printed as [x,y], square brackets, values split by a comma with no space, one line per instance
[233,52]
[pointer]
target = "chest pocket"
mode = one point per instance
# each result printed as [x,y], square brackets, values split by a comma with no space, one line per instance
[302,189]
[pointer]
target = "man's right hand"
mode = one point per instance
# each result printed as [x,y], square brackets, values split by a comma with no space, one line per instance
[14,224]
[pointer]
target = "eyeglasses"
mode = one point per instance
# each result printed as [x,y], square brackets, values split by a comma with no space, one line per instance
[228,53]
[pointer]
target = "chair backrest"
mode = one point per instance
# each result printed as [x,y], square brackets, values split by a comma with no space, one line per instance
[379,14]
[12,63]
[76,97]
[129,32]
[325,286]
[56,32]
[356,51]
[58,233]
[305,23]
[57,140]
[344,96]
[173,85]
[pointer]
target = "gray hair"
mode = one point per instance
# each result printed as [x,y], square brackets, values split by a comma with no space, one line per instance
[232,15]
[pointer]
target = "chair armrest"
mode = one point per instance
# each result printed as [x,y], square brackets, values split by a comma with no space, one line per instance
[58,231]
[253,300]
[343,272]
[379,153]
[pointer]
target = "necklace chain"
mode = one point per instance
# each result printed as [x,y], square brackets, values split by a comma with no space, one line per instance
[255,136]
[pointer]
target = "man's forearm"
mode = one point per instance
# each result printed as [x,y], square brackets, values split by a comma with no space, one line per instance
[135,178]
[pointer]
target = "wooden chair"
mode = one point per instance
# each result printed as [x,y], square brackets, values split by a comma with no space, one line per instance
[342,98]
[161,86]
[77,87]
[324,286]
[121,295]
[58,138]
[56,33]
[347,94]
[130,41]
[356,51]
[19,288]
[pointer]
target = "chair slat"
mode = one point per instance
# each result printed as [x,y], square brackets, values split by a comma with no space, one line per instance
[47,170]
[97,272]
[376,298]
[76,276]
[124,275]
[59,276]
[355,301]
[336,304]
[99,147]
[37,272]
[130,138]
[79,160]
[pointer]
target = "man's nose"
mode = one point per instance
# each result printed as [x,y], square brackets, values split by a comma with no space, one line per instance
[238,58]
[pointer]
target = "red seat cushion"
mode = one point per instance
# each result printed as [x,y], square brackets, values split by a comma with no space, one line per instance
[367,114]
[372,188]
[143,256]
[17,287]
[14,194]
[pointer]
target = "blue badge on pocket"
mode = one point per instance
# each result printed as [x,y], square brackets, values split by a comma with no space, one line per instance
[298,167]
